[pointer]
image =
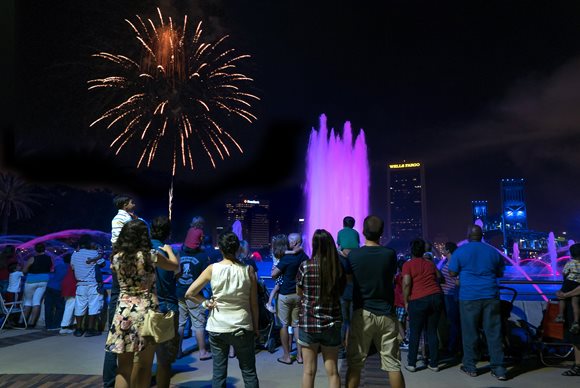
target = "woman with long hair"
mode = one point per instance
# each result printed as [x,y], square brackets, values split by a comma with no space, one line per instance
[134,263]
[233,316]
[320,284]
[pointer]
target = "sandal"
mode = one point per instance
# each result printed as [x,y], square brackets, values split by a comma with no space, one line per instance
[574,371]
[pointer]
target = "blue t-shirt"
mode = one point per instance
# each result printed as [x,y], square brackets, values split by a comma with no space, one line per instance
[165,283]
[479,266]
[289,265]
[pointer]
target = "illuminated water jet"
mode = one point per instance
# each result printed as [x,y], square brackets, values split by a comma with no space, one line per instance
[337,180]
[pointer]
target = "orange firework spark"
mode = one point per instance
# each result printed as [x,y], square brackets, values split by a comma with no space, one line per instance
[176,91]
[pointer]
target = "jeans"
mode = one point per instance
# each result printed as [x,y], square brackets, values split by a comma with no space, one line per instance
[452,312]
[53,308]
[424,313]
[110,362]
[244,346]
[486,311]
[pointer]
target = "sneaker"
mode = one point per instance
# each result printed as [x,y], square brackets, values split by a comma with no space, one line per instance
[78,333]
[404,345]
[559,319]
[433,368]
[64,331]
[575,328]
[499,377]
[468,372]
[411,368]
[92,333]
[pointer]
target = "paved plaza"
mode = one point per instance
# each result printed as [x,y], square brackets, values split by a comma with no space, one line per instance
[34,358]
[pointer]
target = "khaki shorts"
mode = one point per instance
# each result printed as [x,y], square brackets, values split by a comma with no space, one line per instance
[288,308]
[196,312]
[380,330]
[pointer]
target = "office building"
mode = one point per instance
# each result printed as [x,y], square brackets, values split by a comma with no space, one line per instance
[407,213]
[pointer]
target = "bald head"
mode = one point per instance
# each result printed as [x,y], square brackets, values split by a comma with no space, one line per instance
[294,239]
[475,233]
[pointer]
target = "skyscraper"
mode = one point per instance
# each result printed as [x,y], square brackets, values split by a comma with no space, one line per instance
[255,219]
[407,215]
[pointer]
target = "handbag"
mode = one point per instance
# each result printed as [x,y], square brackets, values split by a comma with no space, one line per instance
[158,325]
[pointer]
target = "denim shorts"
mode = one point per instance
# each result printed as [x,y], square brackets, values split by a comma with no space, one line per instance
[330,337]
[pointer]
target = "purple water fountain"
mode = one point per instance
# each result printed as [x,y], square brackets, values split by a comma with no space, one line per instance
[337,180]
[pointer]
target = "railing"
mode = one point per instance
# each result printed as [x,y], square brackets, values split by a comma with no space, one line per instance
[546,295]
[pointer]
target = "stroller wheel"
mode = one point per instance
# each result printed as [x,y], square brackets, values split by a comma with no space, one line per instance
[271,345]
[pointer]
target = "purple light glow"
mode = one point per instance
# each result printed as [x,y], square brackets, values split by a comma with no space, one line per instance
[337,180]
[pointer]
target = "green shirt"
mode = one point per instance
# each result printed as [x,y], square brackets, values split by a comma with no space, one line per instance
[348,238]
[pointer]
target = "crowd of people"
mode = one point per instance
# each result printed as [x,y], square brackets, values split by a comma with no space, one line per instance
[345,300]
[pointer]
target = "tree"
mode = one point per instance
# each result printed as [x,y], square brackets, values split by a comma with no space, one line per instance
[16,199]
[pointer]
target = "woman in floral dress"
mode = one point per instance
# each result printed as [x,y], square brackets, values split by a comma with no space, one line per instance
[134,262]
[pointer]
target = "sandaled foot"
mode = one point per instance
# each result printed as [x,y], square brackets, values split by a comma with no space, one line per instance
[574,371]
[559,319]
[575,328]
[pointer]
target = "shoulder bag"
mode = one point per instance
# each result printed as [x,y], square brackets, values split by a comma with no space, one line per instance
[158,325]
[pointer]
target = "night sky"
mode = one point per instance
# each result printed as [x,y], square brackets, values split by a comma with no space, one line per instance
[477,91]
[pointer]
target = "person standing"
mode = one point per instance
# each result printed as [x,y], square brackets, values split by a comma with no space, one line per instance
[88,298]
[451,297]
[373,269]
[193,262]
[125,206]
[319,285]
[233,318]
[479,266]
[37,270]
[134,262]
[165,285]
[288,299]
[53,299]
[424,302]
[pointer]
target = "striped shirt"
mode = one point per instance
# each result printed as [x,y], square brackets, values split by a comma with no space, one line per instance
[450,285]
[84,272]
[119,220]
[315,315]
[571,270]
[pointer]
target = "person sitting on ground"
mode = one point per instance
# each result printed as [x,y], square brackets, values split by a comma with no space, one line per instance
[571,274]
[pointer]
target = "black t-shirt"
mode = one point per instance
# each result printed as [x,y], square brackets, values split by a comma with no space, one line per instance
[289,265]
[42,264]
[373,269]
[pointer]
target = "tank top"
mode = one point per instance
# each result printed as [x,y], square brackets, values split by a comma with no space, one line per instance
[42,264]
[231,287]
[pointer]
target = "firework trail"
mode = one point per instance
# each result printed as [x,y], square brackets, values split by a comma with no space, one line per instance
[176,93]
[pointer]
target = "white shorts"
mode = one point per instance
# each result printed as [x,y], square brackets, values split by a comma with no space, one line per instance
[88,297]
[33,293]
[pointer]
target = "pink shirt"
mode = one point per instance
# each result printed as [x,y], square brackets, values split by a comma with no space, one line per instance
[194,238]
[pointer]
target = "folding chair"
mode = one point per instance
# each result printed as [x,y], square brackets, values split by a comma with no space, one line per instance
[553,349]
[9,308]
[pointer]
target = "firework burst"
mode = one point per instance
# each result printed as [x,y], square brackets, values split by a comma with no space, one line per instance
[178,92]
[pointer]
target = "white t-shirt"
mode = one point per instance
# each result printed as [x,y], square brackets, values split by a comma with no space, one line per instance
[14,281]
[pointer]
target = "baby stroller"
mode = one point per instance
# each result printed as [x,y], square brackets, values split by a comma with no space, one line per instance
[269,331]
